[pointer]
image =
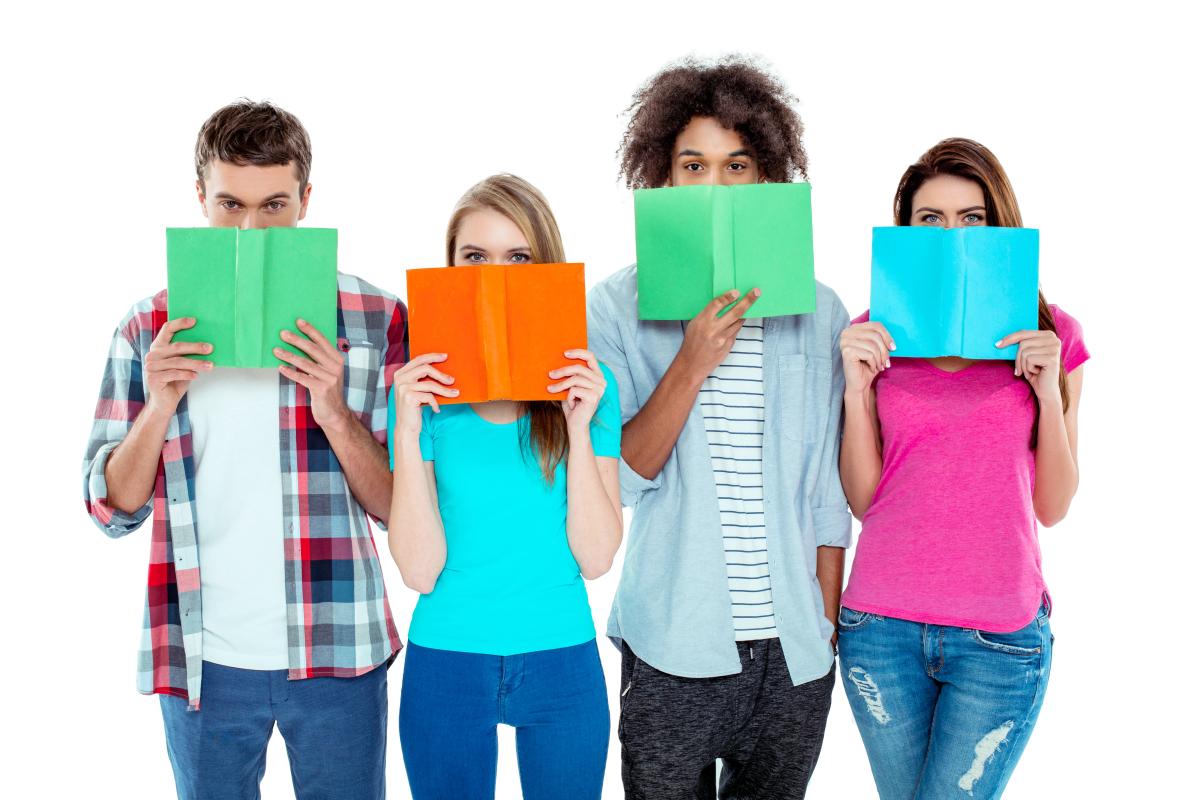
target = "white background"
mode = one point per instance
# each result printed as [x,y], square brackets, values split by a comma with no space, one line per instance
[1091,112]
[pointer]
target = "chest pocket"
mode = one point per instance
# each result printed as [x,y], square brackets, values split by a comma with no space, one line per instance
[361,363]
[804,381]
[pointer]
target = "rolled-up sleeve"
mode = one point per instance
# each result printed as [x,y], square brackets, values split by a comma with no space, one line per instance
[604,340]
[122,396]
[831,517]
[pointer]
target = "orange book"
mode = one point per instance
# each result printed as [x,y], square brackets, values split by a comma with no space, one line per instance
[503,327]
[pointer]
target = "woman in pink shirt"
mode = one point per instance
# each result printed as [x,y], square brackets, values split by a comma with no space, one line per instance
[944,631]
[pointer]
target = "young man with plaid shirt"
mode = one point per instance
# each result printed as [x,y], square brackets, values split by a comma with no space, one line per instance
[259,484]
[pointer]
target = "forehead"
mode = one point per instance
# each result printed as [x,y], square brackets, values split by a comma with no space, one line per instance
[708,136]
[949,190]
[486,227]
[251,179]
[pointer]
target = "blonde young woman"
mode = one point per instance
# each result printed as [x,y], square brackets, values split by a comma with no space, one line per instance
[500,510]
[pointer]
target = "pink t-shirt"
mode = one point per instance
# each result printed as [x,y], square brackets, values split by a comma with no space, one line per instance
[950,536]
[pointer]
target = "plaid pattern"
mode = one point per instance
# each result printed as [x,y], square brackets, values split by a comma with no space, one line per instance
[339,622]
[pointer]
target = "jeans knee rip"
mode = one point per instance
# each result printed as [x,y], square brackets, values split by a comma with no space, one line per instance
[869,692]
[985,749]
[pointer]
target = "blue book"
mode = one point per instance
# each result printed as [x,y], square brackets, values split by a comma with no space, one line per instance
[954,291]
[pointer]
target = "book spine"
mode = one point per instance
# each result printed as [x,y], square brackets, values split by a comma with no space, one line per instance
[955,269]
[723,244]
[492,312]
[248,316]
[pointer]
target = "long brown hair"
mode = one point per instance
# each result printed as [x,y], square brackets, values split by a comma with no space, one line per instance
[525,206]
[969,159]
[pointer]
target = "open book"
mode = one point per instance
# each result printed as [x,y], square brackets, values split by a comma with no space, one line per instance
[695,242]
[245,286]
[503,327]
[954,291]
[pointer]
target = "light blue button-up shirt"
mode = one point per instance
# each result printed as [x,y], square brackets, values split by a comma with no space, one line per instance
[673,606]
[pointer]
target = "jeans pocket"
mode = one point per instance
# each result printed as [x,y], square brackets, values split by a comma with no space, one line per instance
[849,619]
[1026,641]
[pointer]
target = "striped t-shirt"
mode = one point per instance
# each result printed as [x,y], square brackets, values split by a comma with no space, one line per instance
[732,401]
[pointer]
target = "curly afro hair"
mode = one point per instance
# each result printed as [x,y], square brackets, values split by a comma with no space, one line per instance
[738,93]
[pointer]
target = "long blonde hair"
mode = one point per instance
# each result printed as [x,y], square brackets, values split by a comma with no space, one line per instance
[525,206]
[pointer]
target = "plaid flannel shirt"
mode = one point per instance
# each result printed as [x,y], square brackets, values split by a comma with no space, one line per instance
[339,622]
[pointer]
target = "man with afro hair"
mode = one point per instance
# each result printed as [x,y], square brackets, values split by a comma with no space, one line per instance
[726,608]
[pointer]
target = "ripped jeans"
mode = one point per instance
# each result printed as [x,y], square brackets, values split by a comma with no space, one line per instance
[944,712]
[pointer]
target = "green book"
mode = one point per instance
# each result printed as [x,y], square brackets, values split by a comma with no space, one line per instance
[245,286]
[695,242]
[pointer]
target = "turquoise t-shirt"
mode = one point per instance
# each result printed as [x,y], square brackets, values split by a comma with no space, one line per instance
[510,584]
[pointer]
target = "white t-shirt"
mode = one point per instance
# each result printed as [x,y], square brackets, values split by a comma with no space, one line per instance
[732,402]
[234,416]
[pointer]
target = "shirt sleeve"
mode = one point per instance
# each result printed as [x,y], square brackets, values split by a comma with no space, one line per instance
[1070,333]
[831,513]
[606,424]
[122,396]
[604,340]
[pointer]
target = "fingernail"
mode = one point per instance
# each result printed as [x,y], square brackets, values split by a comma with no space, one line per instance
[887,362]
[208,365]
[1000,343]
[891,345]
[300,321]
[454,391]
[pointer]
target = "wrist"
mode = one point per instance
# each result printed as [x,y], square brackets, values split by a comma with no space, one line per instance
[683,370]
[857,398]
[338,422]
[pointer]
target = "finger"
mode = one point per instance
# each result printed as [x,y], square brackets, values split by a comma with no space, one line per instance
[584,355]
[418,399]
[742,306]
[875,340]
[580,381]
[415,371]
[174,326]
[424,358]
[718,303]
[571,369]
[314,351]
[173,375]
[881,330]
[1019,336]
[867,355]
[302,378]
[861,350]
[429,387]
[314,333]
[301,363]
[179,362]
[185,348]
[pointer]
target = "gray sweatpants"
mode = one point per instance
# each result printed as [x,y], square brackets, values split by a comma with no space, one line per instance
[766,731]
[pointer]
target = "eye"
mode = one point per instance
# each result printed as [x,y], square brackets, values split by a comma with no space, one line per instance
[229,205]
[973,219]
[476,257]
[519,258]
[930,219]
[737,166]
[276,205]
[693,167]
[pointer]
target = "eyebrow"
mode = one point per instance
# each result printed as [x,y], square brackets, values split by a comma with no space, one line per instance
[276,196]
[469,246]
[939,211]
[738,153]
[734,154]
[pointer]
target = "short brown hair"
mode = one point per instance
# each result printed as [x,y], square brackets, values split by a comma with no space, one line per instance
[739,93]
[246,132]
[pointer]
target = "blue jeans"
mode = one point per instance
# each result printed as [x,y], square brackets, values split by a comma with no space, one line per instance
[451,703]
[944,712]
[335,730]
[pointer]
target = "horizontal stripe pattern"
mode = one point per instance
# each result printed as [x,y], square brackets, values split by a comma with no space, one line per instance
[731,401]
